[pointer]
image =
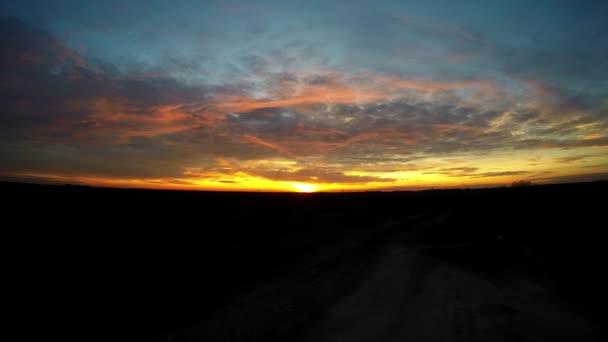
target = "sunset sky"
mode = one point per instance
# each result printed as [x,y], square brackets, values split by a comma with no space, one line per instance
[303,95]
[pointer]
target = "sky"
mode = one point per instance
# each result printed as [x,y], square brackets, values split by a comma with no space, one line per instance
[303,95]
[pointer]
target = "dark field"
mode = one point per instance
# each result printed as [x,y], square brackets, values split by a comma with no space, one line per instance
[507,264]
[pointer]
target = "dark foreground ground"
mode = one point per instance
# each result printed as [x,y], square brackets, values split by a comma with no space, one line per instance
[508,264]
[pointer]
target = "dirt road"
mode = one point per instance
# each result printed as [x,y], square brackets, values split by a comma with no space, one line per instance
[409,289]
[412,297]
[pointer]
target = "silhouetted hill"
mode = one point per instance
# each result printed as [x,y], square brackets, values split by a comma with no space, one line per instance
[149,263]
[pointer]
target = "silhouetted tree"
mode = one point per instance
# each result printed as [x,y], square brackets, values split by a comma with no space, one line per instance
[521,183]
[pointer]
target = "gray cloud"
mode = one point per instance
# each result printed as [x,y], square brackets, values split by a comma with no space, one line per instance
[570,159]
[501,173]
[61,111]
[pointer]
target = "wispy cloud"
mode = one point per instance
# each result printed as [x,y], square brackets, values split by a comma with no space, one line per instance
[351,114]
[570,159]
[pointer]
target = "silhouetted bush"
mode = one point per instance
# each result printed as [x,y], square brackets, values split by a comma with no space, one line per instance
[522,183]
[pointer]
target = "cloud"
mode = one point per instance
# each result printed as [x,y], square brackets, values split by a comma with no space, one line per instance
[317,175]
[327,87]
[473,172]
[454,171]
[570,159]
[59,96]
[584,177]
[501,173]
[595,165]
[64,114]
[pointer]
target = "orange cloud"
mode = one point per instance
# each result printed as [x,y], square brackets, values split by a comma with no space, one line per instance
[299,145]
[309,95]
[443,129]
[118,120]
[391,83]
[262,142]
[338,88]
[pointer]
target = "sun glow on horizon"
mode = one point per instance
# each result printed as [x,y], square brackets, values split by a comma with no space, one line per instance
[282,175]
[305,187]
